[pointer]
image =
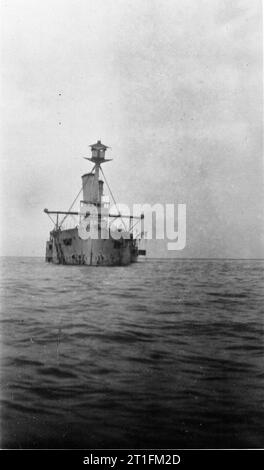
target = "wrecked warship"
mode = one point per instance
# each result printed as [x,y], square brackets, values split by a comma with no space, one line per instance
[96,240]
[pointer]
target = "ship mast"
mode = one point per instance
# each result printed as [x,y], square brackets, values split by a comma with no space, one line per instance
[92,188]
[92,185]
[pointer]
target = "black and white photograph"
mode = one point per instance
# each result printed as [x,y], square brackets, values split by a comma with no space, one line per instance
[132,229]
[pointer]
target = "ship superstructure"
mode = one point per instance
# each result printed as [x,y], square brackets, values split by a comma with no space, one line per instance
[95,240]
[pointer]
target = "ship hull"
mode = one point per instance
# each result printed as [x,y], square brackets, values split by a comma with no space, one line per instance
[66,247]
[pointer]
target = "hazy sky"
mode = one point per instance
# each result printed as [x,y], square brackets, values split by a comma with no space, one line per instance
[173,86]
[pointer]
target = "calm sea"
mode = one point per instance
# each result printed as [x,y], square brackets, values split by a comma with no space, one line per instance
[158,354]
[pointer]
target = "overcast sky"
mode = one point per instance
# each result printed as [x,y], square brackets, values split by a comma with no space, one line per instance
[173,86]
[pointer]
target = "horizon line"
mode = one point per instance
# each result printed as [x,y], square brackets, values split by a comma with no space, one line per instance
[154,257]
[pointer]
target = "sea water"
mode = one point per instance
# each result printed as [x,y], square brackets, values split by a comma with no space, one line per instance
[157,354]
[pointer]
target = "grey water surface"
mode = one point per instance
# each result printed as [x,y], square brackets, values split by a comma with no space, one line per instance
[154,355]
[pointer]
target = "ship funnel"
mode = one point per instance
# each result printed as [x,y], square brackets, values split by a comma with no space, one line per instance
[90,188]
[92,192]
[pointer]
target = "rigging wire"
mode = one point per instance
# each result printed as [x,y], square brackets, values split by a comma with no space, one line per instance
[51,218]
[135,225]
[70,207]
[137,222]
[109,189]
[73,203]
